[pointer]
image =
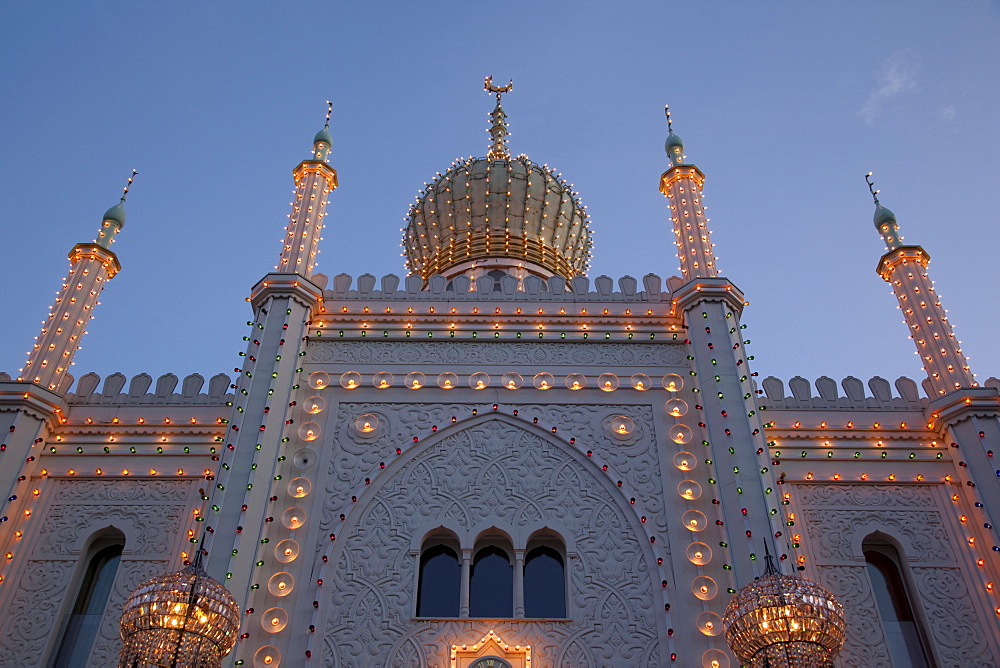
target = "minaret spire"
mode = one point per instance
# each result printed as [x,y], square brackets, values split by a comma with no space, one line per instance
[905,269]
[314,181]
[682,185]
[498,122]
[91,266]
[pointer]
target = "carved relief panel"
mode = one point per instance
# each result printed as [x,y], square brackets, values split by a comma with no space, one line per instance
[496,472]
[837,519]
[150,514]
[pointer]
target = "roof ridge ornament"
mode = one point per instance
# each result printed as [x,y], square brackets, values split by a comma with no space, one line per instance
[498,121]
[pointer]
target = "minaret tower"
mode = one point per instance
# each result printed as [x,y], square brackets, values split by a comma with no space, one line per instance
[966,416]
[248,505]
[743,486]
[904,267]
[32,405]
[682,185]
[91,266]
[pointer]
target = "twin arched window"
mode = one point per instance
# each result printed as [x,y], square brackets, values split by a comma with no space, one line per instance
[493,580]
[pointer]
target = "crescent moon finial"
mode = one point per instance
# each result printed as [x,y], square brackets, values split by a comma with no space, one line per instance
[499,90]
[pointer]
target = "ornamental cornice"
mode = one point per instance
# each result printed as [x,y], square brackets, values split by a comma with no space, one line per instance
[295,286]
[719,289]
[983,402]
[850,434]
[901,255]
[91,250]
[678,172]
[40,403]
[328,173]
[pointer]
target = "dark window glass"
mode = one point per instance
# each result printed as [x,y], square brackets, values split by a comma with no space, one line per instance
[491,591]
[903,635]
[544,584]
[439,586]
[85,620]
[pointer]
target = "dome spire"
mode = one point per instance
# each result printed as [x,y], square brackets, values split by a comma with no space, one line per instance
[114,218]
[498,122]
[323,141]
[885,220]
[673,146]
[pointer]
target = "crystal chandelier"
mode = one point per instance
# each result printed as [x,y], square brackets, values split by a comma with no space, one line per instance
[784,620]
[185,618]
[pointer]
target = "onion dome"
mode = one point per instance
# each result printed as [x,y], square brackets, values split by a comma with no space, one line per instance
[784,620]
[883,216]
[116,214]
[324,137]
[497,211]
[675,149]
[185,618]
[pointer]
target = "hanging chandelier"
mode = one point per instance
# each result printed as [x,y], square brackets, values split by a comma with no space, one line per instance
[185,618]
[784,621]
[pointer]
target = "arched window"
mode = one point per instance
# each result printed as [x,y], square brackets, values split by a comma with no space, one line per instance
[903,633]
[544,583]
[491,586]
[84,620]
[438,591]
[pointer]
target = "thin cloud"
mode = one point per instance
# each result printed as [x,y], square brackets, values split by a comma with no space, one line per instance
[949,113]
[894,77]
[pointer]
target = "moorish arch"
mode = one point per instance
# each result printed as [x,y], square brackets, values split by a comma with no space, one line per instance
[511,476]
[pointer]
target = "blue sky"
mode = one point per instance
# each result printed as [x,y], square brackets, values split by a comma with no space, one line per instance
[784,105]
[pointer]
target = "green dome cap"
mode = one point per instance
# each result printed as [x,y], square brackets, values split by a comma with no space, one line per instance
[323,136]
[116,214]
[672,142]
[883,216]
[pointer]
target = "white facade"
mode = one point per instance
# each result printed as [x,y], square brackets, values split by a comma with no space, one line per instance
[617,425]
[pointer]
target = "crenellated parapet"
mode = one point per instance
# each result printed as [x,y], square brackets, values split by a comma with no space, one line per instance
[824,393]
[506,288]
[142,391]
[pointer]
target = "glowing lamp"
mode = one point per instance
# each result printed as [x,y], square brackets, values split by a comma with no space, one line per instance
[350,380]
[415,380]
[608,382]
[640,381]
[673,382]
[784,620]
[511,380]
[447,380]
[543,380]
[181,618]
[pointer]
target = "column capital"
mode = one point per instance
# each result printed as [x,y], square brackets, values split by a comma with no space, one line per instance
[961,404]
[316,167]
[295,286]
[40,403]
[678,172]
[709,289]
[97,252]
[898,256]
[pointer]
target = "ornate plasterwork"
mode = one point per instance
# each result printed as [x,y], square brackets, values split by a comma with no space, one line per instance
[838,517]
[632,460]
[150,514]
[498,353]
[494,472]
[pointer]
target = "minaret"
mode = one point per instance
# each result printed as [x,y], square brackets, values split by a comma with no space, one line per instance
[314,181]
[91,266]
[743,487]
[32,406]
[905,269]
[682,185]
[965,415]
[248,515]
